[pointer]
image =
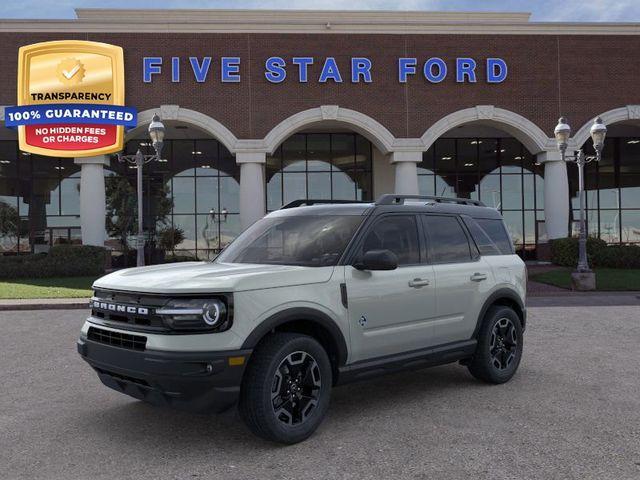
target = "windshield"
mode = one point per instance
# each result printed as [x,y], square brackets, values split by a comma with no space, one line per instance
[305,240]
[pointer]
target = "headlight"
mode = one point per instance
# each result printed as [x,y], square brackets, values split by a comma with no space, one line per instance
[196,314]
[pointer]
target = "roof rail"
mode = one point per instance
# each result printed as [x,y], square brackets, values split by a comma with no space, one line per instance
[306,202]
[392,199]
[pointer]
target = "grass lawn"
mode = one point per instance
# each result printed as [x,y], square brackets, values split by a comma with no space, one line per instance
[67,287]
[606,278]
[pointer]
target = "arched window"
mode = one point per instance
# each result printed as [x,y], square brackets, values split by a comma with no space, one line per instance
[500,172]
[335,166]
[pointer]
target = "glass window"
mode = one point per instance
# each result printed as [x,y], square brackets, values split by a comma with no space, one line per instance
[511,155]
[183,195]
[512,192]
[397,233]
[182,160]
[487,155]
[8,159]
[448,242]
[630,190]
[319,185]
[485,245]
[319,166]
[319,152]
[631,226]
[514,222]
[497,232]
[306,240]
[294,153]
[426,184]
[445,156]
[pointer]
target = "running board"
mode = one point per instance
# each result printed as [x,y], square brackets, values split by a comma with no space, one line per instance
[428,357]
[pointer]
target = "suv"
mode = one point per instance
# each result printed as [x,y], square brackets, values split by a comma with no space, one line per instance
[310,297]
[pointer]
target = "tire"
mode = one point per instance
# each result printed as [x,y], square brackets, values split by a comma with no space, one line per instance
[500,345]
[297,369]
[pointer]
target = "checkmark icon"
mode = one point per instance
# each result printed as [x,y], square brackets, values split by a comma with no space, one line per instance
[71,73]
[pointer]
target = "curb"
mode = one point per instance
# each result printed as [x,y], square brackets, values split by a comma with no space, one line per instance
[4,307]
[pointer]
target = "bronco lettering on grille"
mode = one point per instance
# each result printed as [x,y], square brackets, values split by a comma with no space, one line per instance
[114,307]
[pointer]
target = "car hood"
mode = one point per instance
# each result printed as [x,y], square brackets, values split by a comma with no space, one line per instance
[206,277]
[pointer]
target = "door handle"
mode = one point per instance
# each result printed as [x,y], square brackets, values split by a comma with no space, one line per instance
[418,282]
[478,277]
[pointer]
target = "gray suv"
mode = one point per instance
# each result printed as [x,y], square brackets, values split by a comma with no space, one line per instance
[313,295]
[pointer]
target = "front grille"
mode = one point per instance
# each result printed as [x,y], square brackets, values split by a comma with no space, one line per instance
[129,310]
[117,339]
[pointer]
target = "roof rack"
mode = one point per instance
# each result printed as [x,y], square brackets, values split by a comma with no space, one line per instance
[308,202]
[391,199]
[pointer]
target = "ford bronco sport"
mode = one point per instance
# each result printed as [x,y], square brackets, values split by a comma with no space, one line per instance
[309,297]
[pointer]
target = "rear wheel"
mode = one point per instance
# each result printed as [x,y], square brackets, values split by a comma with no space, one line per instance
[499,349]
[286,388]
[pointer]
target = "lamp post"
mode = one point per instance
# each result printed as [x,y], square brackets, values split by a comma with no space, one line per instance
[562,133]
[156,133]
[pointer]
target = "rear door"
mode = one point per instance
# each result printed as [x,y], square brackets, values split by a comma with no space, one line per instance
[391,311]
[462,277]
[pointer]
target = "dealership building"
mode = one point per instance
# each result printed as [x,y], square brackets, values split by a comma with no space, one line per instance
[265,107]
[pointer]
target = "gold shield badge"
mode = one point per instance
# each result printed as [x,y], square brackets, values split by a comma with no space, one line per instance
[69,96]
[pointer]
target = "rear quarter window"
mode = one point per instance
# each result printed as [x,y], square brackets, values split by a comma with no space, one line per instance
[496,232]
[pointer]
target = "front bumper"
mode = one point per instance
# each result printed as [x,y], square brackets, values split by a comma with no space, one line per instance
[192,381]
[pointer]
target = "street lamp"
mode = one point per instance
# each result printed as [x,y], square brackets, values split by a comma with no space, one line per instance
[562,133]
[156,133]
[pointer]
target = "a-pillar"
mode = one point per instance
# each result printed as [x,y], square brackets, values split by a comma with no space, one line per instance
[92,199]
[252,187]
[556,194]
[406,169]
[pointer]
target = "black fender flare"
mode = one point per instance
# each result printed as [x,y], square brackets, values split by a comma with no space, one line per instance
[502,293]
[300,313]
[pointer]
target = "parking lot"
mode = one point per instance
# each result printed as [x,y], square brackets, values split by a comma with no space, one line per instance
[572,411]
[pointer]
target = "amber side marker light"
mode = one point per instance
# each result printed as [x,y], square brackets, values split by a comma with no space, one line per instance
[236,361]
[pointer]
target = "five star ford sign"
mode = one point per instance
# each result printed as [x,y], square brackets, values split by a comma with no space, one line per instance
[70,99]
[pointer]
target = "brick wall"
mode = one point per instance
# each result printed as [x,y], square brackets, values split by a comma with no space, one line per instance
[578,76]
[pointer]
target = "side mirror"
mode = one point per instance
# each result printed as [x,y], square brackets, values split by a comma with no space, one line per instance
[377,260]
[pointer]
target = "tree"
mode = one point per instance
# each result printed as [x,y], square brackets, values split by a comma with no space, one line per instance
[122,208]
[169,237]
[9,222]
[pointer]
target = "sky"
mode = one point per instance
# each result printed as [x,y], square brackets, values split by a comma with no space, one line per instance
[542,10]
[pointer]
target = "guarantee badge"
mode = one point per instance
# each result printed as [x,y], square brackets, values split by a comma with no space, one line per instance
[71,99]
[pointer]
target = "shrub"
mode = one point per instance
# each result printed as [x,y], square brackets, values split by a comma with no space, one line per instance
[61,261]
[169,237]
[564,252]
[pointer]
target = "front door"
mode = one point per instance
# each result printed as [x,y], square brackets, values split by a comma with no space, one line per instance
[391,311]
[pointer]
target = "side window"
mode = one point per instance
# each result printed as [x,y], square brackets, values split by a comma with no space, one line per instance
[485,245]
[498,233]
[449,243]
[398,233]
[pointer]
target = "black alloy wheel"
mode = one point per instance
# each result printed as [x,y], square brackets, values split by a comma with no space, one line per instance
[500,345]
[286,388]
[504,343]
[296,388]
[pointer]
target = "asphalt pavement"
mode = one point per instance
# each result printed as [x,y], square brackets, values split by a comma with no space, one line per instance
[572,411]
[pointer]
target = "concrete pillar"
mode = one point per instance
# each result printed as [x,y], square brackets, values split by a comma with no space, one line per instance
[406,166]
[92,199]
[252,187]
[556,194]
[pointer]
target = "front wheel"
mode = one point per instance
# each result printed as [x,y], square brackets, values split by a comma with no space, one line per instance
[500,344]
[286,388]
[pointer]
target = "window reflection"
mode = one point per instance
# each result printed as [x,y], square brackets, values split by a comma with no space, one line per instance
[319,166]
[612,191]
[500,172]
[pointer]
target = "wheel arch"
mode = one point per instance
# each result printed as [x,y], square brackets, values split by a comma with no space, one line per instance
[506,297]
[306,321]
